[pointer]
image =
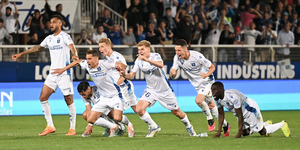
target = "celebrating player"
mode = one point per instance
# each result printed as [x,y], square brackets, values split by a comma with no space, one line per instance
[199,72]
[158,88]
[110,93]
[59,44]
[246,110]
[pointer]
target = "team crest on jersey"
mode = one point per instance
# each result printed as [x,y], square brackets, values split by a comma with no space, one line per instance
[58,40]
[193,63]
[99,68]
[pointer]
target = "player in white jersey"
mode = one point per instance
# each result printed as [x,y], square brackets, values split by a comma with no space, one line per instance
[158,88]
[90,96]
[246,110]
[199,71]
[110,93]
[60,44]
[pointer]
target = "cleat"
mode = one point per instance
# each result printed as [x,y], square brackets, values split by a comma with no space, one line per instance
[85,135]
[106,133]
[191,131]
[47,130]
[153,131]
[114,130]
[270,121]
[121,132]
[285,129]
[211,125]
[71,132]
[130,130]
[226,130]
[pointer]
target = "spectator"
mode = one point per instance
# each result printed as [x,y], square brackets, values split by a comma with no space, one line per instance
[277,21]
[247,16]
[226,37]
[153,35]
[237,41]
[185,28]
[116,34]
[135,13]
[197,35]
[4,4]
[152,18]
[170,20]
[172,4]
[34,40]
[84,40]
[35,23]
[285,20]
[3,35]
[166,33]
[285,37]
[45,17]
[295,22]
[264,21]
[250,36]
[270,39]
[99,34]
[140,34]
[45,31]
[129,40]
[105,21]
[297,36]
[58,10]
[10,21]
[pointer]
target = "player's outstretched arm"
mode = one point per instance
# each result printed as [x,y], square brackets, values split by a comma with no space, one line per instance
[120,66]
[210,71]
[173,73]
[128,76]
[74,52]
[62,70]
[159,64]
[221,119]
[240,122]
[31,50]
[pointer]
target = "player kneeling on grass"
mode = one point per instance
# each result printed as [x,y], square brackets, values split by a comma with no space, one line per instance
[246,110]
[90,95]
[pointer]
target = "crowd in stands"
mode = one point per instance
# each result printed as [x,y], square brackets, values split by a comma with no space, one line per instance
[212,22]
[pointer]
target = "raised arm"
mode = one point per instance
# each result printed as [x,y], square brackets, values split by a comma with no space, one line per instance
[221,119]
[31,50]
[158,64]
[16,11]
[61,70]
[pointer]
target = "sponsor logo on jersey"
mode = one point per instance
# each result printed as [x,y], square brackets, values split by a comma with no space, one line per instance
[56,47]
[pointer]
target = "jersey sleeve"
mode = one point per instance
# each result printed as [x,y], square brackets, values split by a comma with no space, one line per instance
[203,61]
[175,64]
[83,64]
[136,66]
[67,39]
[218,104]
[235,100]
[109,64]
[44,42]
[157,57]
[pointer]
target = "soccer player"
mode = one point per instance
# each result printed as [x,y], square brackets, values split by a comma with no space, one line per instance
[59,44]
[199,71]
[158,88]
[246,110]
[90,95]
[110,93]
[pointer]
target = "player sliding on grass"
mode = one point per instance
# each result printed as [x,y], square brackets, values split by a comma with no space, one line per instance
[158,88]
[59,44]
[90,96]
[110,93]
[195,65]
[246,110]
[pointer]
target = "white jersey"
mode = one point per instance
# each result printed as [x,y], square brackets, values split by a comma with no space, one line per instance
[193,67]
[155,77]
[59,50]
[94,98]
[234,99]
[102,78]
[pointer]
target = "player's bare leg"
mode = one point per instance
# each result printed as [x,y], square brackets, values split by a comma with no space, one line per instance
[205,109]
[145,116]
[45,94]
[184,119]
[72,114]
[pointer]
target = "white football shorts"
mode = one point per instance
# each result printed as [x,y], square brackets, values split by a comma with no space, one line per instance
[106,104]
[128,95]
[254,119]
[167,98]
[204,89]
[64,82]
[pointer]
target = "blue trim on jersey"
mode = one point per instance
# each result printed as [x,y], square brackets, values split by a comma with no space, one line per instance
[69,70]
[167,80]
[211,77]
[251,109]
[129,85]
[118,88]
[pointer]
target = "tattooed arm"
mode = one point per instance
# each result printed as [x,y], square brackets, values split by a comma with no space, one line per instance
[31,50]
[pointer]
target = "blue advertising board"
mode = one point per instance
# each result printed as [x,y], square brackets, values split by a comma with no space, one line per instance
[23,98]
[31,72]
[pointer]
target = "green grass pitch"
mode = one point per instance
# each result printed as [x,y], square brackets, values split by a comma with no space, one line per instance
[21,132]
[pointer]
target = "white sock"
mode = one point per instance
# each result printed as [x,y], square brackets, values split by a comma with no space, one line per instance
[103,123]
[147,119]
[186,121]
[215,112]
[47,112]
[72,114]
[274,127]
[125,120]
[121,125]
[205,110]
[266,123]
